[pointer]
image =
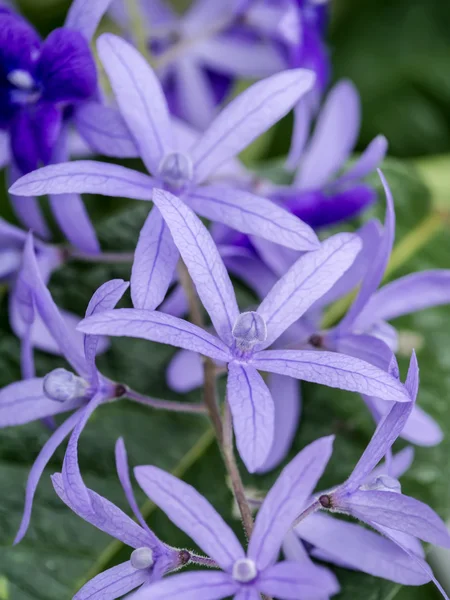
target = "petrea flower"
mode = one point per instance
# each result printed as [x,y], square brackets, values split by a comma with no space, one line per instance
[180,170]
[243,575]
[149,560]
[243,338]
[61,390]
[46,86]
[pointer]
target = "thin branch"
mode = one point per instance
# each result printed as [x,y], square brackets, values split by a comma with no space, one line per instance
[104,257]
[170,405]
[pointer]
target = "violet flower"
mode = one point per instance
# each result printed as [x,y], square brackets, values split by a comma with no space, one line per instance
[243,338]
[181,170]
[243,575]
[149,560]
[46,87]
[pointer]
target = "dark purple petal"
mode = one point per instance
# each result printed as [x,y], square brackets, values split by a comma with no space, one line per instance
[19,44]
[66,67]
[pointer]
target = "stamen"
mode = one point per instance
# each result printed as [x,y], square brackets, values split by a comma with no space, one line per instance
[176,170]
[383,483]
[142,558]
[249,329]
[244,570]
[61,385]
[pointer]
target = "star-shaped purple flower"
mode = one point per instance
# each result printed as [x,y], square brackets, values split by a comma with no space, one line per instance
[181,170]
[243,338]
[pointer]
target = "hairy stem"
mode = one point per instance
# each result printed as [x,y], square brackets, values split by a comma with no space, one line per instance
[171,405]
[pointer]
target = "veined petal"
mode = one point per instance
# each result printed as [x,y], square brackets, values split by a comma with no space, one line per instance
[192,513]
[104,129]
[27,208]
[201,585]
[86,177]
[369,160]
[286,499]
[140,98]
[252,214]
[289,582]
[252,408]
[333,370]
[247,117]
[306,281]
[156,327]
[155,259]
[203,261]
[85,16]
[405,296]
[360,549]
[339,120]
[113,583]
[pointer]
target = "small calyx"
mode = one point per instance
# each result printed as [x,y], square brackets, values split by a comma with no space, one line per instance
[176,170]
[325,501]
[244,570]
[142,558]
[62,385]
[250,329]
[184,557]
[383,483]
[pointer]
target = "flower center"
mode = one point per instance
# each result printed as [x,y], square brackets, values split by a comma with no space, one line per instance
[176,170]
[383,483]
[24,88]
[244,570]
[61,385]
[249,330]
[142,558]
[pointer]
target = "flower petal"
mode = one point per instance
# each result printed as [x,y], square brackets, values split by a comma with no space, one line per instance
[185,372]
[286,499]
[140,98]
[192,513]
[201,585]
[155,259]
[156,327]
[252,408]
[287,581]
[252,214]
[247,117]
[305,282]
[369,160]
[203,261]
[368,348]
[333,370]
[27,208]
[85,15]
[86,177]
[197,104]
[113,583]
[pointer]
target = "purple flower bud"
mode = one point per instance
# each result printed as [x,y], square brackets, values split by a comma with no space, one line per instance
[244,570]
[176,170]
[249,329]
[62,386]
[142,558]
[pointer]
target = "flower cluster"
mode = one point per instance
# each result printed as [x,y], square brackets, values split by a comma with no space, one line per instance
[177,117]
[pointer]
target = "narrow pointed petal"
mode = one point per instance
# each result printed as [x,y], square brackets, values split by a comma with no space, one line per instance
[140,98]
[305,282]
[155,259]
[105,131]
[252,408]
[369,160]
[86,177]
[368,348]
[49,312]
[287,581]
[379,263]
[398,512]
[286,499]
[197,104]
[398,465]
[113,583]
[360,549]
[156,327]
[185,372]
[252,271]
[407,295]
[247,117]
[387,431]
[339,121]
[286,394]
[73,219]
[333,370]
[104,515]
[203,261]
[27,208]
[302,123]
[192,513]
[176,303]
[85,15]
[278,259]
[24,401]
[105,298]
[421,429]
[38,467]
[201,585]
[252,214]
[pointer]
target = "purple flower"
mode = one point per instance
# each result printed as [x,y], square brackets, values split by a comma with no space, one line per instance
[179,167]
[61,390]
[46,86]
[243,575]
[243,338]
[149,560]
